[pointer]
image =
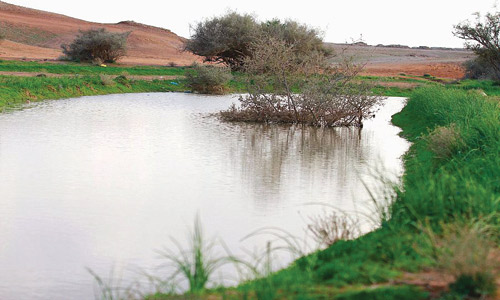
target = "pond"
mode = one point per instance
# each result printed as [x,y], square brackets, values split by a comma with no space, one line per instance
[104,182]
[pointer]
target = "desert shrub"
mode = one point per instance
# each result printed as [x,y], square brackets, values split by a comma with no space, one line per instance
[97,45]
[107,80]
[443,141]
[228,39]
[477,68]
[301,37]
[208,79]
[224,39]
[328,94]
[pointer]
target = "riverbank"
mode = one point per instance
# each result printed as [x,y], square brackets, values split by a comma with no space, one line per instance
[450,191]
[39,81]
[438,237]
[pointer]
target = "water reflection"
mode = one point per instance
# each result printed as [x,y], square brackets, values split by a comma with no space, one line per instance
[266,156]
[104,181]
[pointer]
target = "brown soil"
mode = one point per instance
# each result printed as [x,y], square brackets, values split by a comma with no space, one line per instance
[37,35]
[442,70]
[384,61]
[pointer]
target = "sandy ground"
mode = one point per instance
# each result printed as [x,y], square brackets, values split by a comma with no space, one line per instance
[37,35]
[381,61]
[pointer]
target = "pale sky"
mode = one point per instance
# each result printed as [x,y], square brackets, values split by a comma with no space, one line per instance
[412,23]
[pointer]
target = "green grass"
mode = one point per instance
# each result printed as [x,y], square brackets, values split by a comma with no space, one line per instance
[87,69]
[15,91]
[489,87]
[237,85]
[467,185]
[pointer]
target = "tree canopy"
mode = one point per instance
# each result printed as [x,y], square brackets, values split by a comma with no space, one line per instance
[228,39]
[224,39]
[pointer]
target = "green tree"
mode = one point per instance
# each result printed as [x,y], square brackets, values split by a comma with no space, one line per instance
[229,39]
[224,39]
[97,45]
[302,38]
[482,37]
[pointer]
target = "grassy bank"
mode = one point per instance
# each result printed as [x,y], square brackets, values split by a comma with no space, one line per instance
[87,69]
[16,91]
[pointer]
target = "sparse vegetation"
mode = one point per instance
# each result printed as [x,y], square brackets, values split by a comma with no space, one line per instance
[97,46]
[208,79]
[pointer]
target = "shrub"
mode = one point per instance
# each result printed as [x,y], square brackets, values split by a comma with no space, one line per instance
[328,94]
[224,39]
[97,45]
[107,80]
[229,39]
[444,141]
[477,68]
[301,37]
[208,79]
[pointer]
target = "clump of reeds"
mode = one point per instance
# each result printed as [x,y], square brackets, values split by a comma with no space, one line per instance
[196,263]
[332,227]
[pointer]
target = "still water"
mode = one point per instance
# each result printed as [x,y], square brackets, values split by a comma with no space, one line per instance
[104,182]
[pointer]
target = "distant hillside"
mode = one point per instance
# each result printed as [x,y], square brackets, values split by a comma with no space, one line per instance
[392,60]
[36,34]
